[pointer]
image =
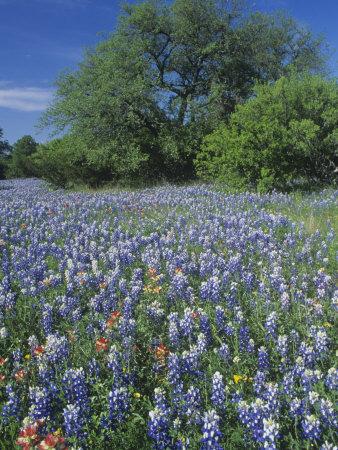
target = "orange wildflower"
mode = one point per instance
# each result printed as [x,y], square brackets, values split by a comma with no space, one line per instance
[20,375]
[113,319]
[152,272]
[161,352]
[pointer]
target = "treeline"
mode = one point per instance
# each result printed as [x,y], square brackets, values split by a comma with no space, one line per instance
[195,88]
[16,161]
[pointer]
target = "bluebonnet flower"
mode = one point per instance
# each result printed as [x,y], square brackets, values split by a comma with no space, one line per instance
[270,395]
[76,390]
[205,326]
[47,318]
[263,359]
[191,360]
[328,413]
[259,382]
[201,343]
[224,352]
[229,329]
[187,323]
[159,422]
[174,377]
[288,383]
[119,399]
[115,364]
[282,345]
[218,392]
[155,312]
[309,378]
[252,415]
[270,433]
[56,348]
[73,422]
[321,341]
[211,431]
[93,368]
[311,427]
[40,403]
[220,318]
[297,407]
[244,338]
[192,405]
[12,407]
[179,287]
[331,380]
[211,290]
[271,326]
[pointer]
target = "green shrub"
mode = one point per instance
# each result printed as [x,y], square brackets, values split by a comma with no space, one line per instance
[285,134]
[65,162]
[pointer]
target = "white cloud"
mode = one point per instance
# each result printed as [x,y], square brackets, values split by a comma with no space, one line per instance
[25,99]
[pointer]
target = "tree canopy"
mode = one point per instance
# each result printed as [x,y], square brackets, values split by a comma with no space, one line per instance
[144,98]
[287,133]
[5,148]
[5,151]
[20,165]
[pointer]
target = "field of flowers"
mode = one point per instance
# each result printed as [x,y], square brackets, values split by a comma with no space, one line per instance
[168,318]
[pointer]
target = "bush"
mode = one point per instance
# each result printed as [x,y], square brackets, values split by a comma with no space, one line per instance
[286,134]
[65,162]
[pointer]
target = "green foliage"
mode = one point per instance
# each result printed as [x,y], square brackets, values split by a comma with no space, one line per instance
[20,164]
[287,133]
[5,150]
[66,161]
[144,98]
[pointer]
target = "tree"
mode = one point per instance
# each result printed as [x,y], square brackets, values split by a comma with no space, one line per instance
[146,96]
[287,133]
[5,150]
[20,165]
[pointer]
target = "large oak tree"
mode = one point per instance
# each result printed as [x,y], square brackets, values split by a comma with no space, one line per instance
[143,99]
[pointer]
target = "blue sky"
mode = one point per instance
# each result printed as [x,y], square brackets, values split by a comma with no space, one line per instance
[40,38]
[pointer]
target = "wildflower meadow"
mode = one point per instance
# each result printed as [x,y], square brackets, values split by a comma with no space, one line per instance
[166,318]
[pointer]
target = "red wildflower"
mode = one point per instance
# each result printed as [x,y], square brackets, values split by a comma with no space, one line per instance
[3,361]
[102,344]
[51,441]
[28,437]
[39,350]
[2,377]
